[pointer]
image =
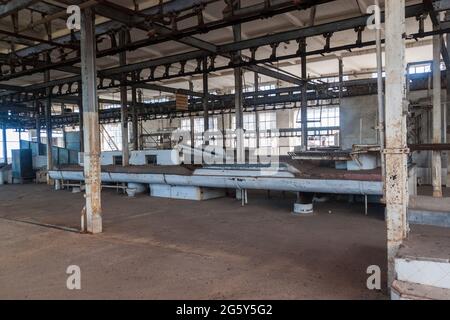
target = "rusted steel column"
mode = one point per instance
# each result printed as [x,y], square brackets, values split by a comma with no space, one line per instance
[436,160]
[396,152]
[5,144]
[92,220]
[304,106]
[123,103]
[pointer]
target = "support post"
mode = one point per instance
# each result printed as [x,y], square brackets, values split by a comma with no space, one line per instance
[447,106]
[38,125]
[304,106]
[5,144]
[258,134]
[92,220]
[436,162]
[49,126]
[341,87]
[80,108]
[205,101]
[134,118]
[238,101]
[123,103]
[380,91]
[396,151]
[48,110]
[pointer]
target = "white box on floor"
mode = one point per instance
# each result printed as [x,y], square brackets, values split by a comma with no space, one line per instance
[185,192]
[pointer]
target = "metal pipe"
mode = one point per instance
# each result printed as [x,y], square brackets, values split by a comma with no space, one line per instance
[236,182]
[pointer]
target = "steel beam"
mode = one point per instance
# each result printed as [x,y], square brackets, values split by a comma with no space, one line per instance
[92,218]
[14,6]
[396,179]
[351,23]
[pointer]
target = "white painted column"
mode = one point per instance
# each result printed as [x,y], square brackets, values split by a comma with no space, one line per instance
[396,133]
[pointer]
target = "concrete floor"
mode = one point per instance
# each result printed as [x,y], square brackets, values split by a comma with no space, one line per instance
[169,249]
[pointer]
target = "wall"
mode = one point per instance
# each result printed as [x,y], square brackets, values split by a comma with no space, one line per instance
[358,121]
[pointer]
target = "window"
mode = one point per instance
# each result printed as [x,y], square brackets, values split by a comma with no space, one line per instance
[250,130]
[185,125]
[268,122]
[319,117]
[199,129]
[111,136]
[323,126]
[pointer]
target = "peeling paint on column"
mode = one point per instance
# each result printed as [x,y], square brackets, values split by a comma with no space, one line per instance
[396,133]
[92,169]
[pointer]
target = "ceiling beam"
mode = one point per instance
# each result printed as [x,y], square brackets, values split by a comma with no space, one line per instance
[14,6]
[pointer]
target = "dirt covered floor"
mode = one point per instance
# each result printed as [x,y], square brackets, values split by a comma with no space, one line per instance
[169,249]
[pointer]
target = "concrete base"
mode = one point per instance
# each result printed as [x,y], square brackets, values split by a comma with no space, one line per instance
[422,266]
[303,209]
[429,211]
[410,291]
[185,192]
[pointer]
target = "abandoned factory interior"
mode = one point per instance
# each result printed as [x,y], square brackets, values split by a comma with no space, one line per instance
[225,149]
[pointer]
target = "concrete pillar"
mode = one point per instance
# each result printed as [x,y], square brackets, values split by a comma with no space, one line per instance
[5,144]
[238,101]
[436,159]
[123,104]
[304,106]
[396,179]
[92,219]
